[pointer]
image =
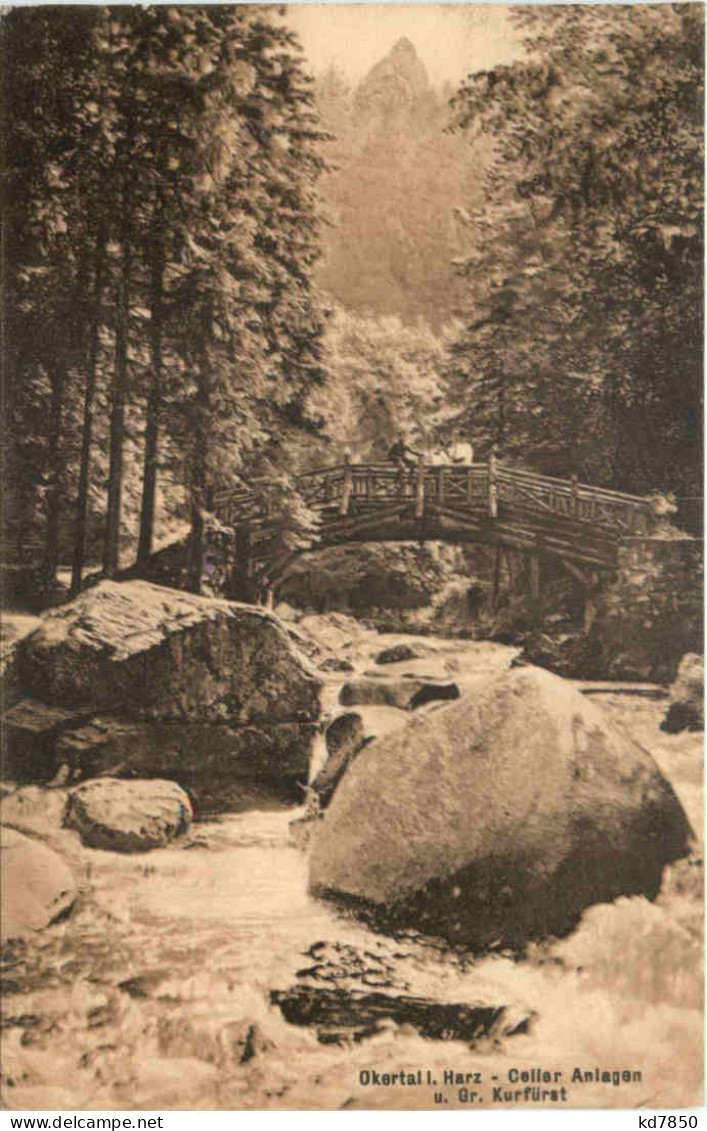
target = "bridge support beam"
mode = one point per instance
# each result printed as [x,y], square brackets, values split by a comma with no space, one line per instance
[240,586]
[592,583]
[574,487]
[347,486]
[493,487]
[420,487]
[535,577]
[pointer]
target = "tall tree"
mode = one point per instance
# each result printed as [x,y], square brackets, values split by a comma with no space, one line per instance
[92,359]
[160,263]
[48,78]
[246,298]
[584,291]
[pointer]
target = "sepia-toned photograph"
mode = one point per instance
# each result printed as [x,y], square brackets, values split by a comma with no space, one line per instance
[351,495]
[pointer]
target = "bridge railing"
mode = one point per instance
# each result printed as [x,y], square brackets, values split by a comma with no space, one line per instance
[371,482]
[452,484]
[625,514]
[476,486]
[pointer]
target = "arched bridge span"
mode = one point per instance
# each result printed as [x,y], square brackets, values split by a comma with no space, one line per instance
[489,503]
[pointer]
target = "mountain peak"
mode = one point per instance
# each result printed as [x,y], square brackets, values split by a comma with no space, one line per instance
[394,83]
[403,47]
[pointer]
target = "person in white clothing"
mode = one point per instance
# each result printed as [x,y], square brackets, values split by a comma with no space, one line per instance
[461,451]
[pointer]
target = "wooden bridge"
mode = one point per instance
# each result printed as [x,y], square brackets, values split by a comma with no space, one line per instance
[487,503]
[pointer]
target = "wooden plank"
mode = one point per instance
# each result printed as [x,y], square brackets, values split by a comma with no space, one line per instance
[515,536]
[609,687]
[590,489]
[566,523]
[467,515]
[350,526]
[616,514]
[555,546]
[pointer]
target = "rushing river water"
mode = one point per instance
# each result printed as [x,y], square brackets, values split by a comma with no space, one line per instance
[155,993]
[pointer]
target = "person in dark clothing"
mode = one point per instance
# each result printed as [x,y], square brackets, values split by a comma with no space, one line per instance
[402,455]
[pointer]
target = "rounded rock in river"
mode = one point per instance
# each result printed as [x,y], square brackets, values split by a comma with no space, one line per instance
[498,818]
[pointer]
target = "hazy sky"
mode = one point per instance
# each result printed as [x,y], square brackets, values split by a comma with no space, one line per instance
[451,39]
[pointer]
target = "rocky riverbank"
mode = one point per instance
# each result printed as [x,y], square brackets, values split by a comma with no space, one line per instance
[171,983]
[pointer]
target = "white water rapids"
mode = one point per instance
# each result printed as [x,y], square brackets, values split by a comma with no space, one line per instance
[149,994]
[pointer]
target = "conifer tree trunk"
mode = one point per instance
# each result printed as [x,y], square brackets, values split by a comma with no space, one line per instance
[120,380]
[154,403]
[87,429]
[56,412]
[501,419]
[199,479]
[196,547]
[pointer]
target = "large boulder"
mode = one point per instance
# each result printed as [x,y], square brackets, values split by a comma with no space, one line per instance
[31,730]
[686,710]
[128,816]
[498,818]
[133,680]
[34,809]
[37,885]
[155,653]
[211,762]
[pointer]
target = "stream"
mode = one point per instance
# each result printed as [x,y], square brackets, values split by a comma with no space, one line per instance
[156,992]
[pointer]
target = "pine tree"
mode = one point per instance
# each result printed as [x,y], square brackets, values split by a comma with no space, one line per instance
[160,263]
[584,292]
[47,80]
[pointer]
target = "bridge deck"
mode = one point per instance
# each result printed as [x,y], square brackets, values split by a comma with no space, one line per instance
[486,502]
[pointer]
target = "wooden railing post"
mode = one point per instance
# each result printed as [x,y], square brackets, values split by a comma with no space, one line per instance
[493,485]
[347,487]
[420,487]
[575,494]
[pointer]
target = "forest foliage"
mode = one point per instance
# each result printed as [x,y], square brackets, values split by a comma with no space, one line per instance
[567,195]
[163,224]
[219,271]
[582,346]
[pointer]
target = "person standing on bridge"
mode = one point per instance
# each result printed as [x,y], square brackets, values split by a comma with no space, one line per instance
[461,451]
